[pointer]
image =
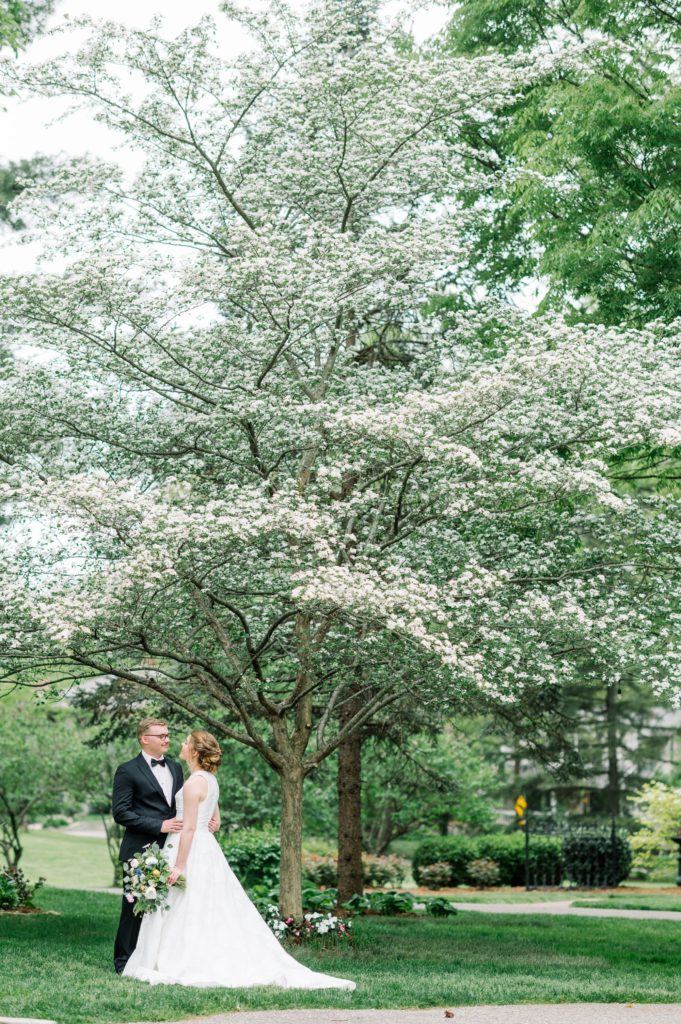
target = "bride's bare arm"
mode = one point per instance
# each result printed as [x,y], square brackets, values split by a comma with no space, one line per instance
[193,792]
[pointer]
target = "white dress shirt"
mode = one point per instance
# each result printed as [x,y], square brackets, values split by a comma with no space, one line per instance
[164,777]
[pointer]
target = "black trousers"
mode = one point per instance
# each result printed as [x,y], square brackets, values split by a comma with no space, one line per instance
[126,936]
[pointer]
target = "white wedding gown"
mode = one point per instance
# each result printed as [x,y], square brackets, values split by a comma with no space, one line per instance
[212,935]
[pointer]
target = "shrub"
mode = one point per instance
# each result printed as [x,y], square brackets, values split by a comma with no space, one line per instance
[435,876]
[483,872]
[508,850]
[597,857]
[456,851]
[253,856]
[15,889]
[389,870]
[320,869]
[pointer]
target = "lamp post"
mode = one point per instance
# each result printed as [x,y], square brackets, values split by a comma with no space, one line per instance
[677,839]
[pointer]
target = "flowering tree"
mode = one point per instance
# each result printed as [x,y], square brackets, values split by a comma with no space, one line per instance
[657,808]
[237,503]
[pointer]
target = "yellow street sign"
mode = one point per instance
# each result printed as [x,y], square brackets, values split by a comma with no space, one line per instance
[520,806]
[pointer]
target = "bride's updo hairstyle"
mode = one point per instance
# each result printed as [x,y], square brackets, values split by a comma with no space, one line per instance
[206,750]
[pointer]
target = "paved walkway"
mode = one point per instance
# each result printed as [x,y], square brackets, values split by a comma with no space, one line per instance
[559,1013]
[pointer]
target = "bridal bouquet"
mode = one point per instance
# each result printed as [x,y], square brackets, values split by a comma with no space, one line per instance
[145,880]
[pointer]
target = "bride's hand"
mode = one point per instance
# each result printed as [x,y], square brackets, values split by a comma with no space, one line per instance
[174,875]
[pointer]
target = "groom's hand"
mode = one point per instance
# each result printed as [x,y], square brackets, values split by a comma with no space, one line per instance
[171,825]
[213,824]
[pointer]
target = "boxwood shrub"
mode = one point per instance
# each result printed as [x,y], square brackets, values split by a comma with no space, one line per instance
[456,851]
[507,849]
[253,855]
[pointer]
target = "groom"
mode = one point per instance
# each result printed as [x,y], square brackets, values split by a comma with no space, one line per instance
[144,801]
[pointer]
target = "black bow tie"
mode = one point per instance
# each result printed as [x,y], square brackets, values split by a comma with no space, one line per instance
[161,761]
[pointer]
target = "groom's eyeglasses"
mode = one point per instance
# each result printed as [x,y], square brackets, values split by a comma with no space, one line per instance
[158,735]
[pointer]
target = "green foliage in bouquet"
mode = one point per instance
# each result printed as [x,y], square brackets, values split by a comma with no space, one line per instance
[145,880]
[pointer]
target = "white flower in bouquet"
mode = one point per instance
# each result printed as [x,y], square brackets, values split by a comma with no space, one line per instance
[134,863]
[150,892]
[151,862]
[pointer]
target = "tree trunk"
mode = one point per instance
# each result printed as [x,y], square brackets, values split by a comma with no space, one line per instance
[385,832]
[350,881]
[10,843]
[613,743]
[291,863]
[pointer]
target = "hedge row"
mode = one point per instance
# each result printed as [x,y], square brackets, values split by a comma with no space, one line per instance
[508,850]
[586,856]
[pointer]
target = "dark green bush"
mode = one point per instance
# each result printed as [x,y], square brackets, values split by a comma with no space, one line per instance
[508,850]
[456,851]
[597,857]
[253,856]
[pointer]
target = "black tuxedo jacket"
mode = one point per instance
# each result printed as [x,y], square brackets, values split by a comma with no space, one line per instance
[139,803]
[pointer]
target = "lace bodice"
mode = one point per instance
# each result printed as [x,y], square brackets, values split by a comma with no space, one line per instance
[207,806]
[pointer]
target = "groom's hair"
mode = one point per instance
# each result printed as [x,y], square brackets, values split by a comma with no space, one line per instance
[146,724]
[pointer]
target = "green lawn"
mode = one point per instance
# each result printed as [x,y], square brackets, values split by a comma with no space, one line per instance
[66,861]
[60,966]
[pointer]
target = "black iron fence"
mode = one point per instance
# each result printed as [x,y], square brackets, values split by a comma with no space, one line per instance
[575,856]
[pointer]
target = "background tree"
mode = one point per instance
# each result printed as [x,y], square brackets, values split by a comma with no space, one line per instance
[425,782]
[41,761]
[590,203]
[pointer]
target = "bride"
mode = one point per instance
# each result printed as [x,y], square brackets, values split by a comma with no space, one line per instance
[211,935]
